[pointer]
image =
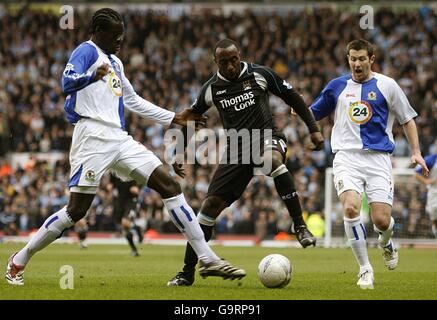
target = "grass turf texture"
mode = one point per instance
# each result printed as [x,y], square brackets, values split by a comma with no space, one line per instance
[109,272]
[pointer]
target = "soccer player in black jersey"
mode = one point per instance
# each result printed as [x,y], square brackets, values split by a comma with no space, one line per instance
[240,92]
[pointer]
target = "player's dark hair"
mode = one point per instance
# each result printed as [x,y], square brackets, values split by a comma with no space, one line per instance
[225,43]
[103,18]
[361,44]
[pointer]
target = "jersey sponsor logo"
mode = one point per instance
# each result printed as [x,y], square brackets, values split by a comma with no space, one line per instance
[115,84]
[340,184]
[371,95]
[220,92]
[360,112]
[68,67]
[287,85]
[350,95]
[239,102]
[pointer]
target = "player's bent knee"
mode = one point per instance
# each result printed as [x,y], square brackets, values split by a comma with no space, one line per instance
[382,223]
[161,181]
[276,160]
[173,189]
[350,211]
[125,223]
[77,211]
[213,205]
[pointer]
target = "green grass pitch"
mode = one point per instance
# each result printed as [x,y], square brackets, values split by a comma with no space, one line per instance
[109,272]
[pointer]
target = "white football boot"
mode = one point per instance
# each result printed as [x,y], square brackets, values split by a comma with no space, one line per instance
[365,278]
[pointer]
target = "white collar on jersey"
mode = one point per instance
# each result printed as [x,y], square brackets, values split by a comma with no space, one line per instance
[241,73]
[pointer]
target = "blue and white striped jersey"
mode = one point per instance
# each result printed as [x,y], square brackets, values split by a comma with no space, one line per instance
[103,100]
[364,112]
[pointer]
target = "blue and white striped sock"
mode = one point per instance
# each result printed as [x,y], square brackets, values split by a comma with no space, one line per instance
[51,229]
[184,218]
[356,234]
[385,236]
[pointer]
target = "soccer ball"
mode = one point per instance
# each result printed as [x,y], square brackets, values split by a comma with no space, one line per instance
[274,271]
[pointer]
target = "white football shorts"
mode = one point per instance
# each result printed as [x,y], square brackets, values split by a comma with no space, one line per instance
[431,205]
[364,171]
[97,148]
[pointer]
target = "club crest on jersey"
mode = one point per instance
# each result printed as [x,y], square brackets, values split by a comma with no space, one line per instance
[287,85]
[371,95]
[360,112]
[90,176]
[246,85]
[115,84]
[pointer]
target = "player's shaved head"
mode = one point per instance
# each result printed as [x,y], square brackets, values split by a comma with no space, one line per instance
[224,44]
[227,58]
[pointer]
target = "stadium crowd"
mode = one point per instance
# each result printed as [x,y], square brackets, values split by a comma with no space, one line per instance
[167,61]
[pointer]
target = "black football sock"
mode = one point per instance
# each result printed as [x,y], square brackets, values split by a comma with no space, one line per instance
[139,232]
[285,187]
[190,259]
[130,240]
[82,235]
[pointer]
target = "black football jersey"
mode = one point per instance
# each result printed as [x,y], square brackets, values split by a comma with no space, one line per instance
[244,102]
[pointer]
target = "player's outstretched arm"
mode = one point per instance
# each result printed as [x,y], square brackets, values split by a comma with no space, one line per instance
[410,130]
[424,180]
[182,118]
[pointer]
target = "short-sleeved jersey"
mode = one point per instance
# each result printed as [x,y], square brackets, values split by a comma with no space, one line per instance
[364,112]
[103,100]
[243,103]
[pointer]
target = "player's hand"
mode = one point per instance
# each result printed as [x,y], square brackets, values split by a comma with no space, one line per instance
[317,142]
[179,169]
[186,115]
[101,71]
[418,159]
[134,190]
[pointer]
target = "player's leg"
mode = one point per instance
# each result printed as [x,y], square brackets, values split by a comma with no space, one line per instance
[126,225]
[379,191]
[286,189]
[434,228]
[356,234]
[349,183]
[87,168]
[383,224]
[81,229]
[184,218]
[227,185]
[431,210]
[211,207]
[51,229]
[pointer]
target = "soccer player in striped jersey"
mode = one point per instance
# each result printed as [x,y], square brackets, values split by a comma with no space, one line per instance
[98,91]
[365,104]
